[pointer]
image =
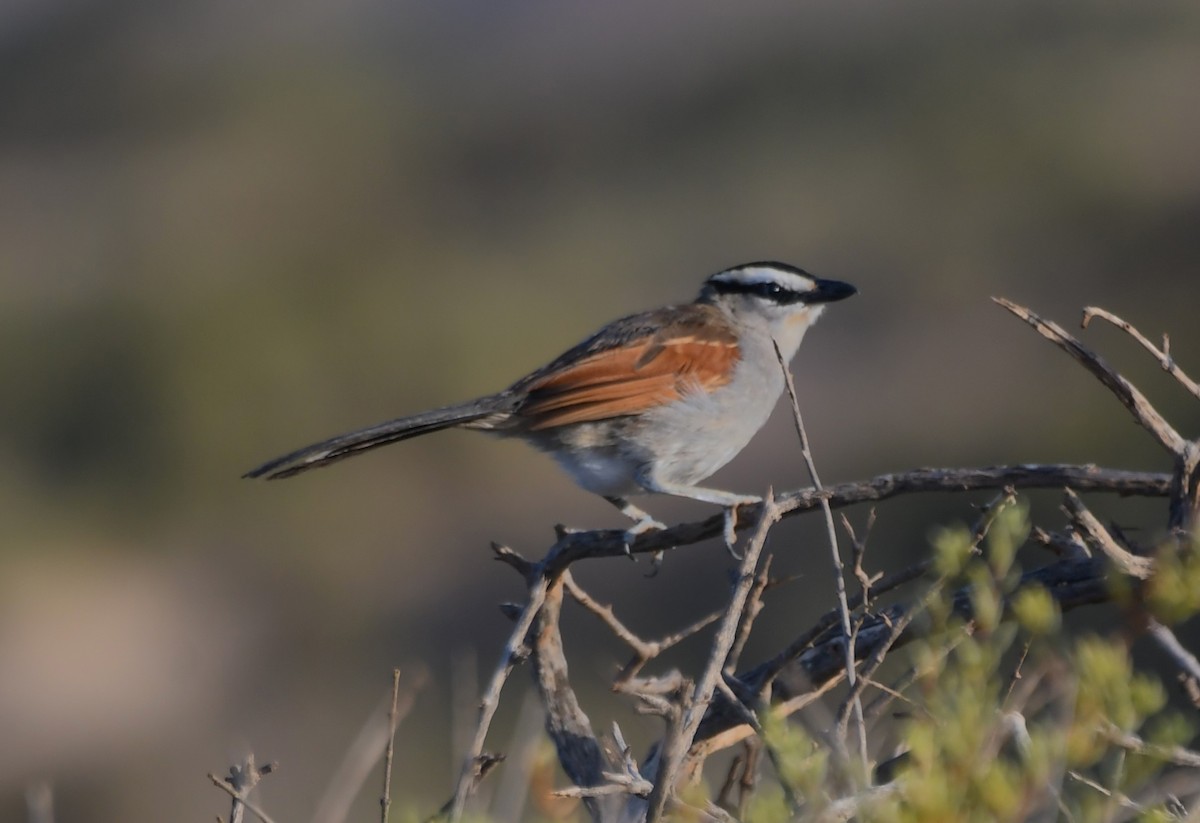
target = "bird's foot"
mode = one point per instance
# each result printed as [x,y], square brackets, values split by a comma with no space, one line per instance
[731,524]
[645,524]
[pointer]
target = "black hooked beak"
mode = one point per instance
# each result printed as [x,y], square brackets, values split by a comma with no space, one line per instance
[829,291]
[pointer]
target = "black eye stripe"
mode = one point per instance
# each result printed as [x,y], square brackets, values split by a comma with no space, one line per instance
[767,290]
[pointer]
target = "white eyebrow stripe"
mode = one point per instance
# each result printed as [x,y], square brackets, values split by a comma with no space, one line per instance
[760,274]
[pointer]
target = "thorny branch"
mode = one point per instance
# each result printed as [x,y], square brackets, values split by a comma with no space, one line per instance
[722,706]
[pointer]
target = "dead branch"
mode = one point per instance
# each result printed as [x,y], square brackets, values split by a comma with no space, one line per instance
[1139,568]
[1185,483]
[1144,413]
[1163,355]
[754,607]
[1072,583]
[515,650]
[611,543]
[579,752]
[674,747]
[643,650]
[723,707]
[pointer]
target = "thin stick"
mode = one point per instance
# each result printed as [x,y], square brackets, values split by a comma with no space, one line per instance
[385,802]
[838,569]
[1183,658]
[644,650]
[514,650]
[1163,355]
[675,745]
[754,607]
[1126,392]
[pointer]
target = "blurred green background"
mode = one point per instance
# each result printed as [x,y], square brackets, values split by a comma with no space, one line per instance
[229,229]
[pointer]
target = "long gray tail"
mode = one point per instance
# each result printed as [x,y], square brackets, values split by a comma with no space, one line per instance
[356,442]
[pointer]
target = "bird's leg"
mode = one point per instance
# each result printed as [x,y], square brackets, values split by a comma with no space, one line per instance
[730,500]
[645,523]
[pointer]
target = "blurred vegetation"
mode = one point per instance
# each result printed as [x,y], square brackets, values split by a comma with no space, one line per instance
[227,230]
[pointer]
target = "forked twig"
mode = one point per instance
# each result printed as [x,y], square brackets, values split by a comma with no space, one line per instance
[1163,355]
[1129,395]
[643,650]
[1185,482]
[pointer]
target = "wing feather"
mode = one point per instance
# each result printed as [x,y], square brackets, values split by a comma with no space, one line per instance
[633,374]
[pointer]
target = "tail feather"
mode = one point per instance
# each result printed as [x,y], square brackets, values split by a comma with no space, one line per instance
[352,443]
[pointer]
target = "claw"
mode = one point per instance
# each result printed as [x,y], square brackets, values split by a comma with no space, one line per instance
[656,560]
[646,524]
[730,530]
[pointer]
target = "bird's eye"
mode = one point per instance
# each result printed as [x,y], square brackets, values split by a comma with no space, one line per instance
[769,291]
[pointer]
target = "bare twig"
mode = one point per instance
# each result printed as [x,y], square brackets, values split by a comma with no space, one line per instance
[515,650]
[679,738]
[742,776]
[643,650]
[1170,754]
[1144,413]
[619,784]
[362,756]
[1163,355]
[859,552]
[754,607]
[1116,797]
[1185,483]
[765,672]
[242,780]
[751,719]
[1072,583]
[1183,658]
[890,694]
[1064,543]
[385,802]
[900,624]
[728,732]
[1129,564]
[839,575]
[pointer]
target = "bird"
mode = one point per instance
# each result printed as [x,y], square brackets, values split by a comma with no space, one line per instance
[652,403]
